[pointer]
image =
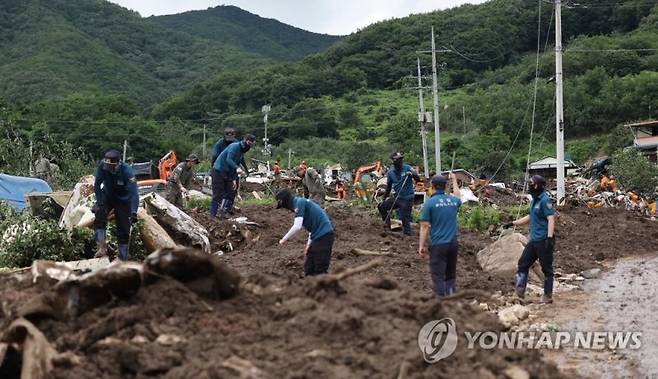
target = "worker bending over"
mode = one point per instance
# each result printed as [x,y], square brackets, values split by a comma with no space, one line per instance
[438,219]
[116,189]
[225,172]
[312,183]
[542,239]
[400,178]
[321,233]
[180,179]
[222,144]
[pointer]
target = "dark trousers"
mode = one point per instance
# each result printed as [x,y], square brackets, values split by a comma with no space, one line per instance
[121,217]
[222,189]
[404,205]
[443,267]
[319,255]
[536,250]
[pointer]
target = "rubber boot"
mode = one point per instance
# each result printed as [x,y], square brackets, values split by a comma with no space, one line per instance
[451,287]
[123,251]
[101,243]
[548,290]
[521,282]
[214,206]
[228,206]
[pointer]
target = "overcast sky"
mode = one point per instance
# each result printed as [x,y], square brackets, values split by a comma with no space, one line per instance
[321,16]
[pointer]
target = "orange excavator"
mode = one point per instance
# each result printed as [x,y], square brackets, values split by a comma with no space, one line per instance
[359,188]
[166,165]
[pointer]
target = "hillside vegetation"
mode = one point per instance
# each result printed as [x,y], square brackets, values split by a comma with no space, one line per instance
[357,101]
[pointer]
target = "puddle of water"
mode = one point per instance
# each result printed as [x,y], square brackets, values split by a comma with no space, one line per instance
[623,299]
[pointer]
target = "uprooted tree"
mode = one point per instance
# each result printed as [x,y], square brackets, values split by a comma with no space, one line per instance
[635,172]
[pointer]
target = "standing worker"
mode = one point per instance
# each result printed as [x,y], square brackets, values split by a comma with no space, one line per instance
[180,179]
[224,174]
[321,233]
[400,178]
[542,239]
[438,219]
[340,190]
[116,188]
[312,183]
[222,143]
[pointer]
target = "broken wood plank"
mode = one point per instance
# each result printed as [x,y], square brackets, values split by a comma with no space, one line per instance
[353,271]
[370,252]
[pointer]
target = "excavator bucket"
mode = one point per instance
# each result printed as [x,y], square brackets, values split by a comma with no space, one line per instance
[167,164]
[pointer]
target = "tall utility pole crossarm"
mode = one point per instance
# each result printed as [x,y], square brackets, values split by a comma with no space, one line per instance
[559,105]
[435,99]
[421,118]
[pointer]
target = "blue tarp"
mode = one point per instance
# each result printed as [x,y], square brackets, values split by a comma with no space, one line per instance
[14,188]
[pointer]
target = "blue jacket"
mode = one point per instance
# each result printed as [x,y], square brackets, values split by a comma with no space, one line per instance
[395,181]
[217,149]
[120,187]
[316,220]
[230,158]
[441,212]
[540,209]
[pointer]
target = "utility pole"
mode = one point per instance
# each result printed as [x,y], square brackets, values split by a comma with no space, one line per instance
[125,147]
[266,146]
[289,157]
[204,142]
[435,98]
[464,118]
[559,106]
[422,119]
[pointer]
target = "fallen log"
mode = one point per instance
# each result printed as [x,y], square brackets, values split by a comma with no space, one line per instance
[353,271]
[154,235]
[178,222]
[370,252]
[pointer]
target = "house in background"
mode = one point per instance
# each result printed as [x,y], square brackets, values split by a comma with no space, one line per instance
[645,135]
[547,167]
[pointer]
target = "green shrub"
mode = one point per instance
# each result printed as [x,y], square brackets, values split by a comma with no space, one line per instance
[478,218]
[635,173]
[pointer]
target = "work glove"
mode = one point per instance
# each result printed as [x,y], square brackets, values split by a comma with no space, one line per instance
[549,243]
[133,218]
[508,225]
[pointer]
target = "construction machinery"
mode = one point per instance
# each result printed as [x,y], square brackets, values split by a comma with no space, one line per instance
[361,188]
[147,181]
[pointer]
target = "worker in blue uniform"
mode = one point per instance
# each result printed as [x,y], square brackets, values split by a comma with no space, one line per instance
[438,220]
[400,179]
[315,220]
[224,174]
[116,189]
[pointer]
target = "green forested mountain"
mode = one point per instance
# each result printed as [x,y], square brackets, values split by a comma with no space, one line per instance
[610,64]
[237,27]
[55,48]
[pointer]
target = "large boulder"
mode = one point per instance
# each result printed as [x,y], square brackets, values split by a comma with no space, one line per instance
[501,257]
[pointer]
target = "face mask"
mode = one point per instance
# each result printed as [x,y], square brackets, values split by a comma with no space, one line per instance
[535,192]
[397,164]
[111,167]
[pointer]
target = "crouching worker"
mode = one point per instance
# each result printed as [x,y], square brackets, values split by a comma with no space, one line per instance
[321,233]
[179,181]
[116,189]
[438,219]
[542,241]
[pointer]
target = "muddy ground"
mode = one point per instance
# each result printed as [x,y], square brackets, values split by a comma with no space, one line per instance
[283,325]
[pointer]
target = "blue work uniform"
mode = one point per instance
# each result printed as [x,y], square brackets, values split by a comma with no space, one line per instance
[441,212]
[224,173]
[317,223]
[116,191]
[402,183]
[217,149]
[538,247]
